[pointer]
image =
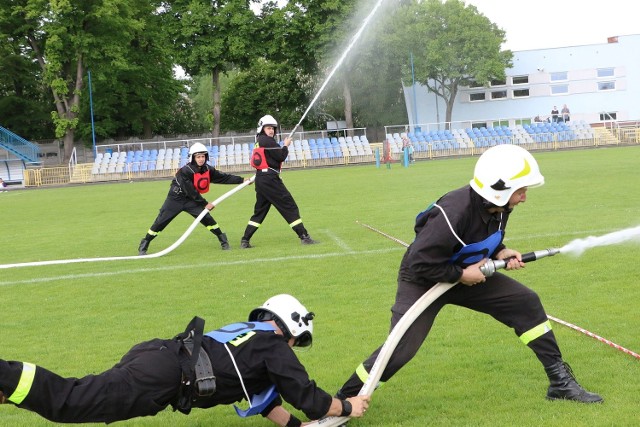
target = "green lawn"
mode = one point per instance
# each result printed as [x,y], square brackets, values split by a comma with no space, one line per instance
[80,318]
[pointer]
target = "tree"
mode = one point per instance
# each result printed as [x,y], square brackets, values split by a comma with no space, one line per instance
[266,88]
[452,44]
[63,37]
[211,36]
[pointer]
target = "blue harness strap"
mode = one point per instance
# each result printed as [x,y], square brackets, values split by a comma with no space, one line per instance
[234,330]
[476,252]
[258,402]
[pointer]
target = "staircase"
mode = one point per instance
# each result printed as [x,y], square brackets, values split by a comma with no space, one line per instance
[605,137]
[19,147]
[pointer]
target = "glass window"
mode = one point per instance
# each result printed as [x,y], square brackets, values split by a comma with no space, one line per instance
[519,93]
[606,85]
[558,75]
[499,94]
[474,84]
[478,96]
[556,89]
[498,82]
[608,116]
[605,72]
[520,80]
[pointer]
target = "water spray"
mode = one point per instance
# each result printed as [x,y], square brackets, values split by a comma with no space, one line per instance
[155,255]
[340,61]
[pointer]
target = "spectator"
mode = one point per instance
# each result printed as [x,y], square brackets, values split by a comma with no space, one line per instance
[555,114]
[191,370]
[267,158]
[3,186]
[566,114]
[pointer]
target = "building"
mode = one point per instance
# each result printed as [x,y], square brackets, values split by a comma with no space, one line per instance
[598,82]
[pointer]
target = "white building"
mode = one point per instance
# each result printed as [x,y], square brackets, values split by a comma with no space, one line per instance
[599,82]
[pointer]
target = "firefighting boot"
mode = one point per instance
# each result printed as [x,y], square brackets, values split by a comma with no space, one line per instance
[563,385]
[305,239]
[244,244]
[144,245]
[224,242]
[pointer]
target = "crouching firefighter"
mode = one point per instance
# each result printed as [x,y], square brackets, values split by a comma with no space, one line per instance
[251,361]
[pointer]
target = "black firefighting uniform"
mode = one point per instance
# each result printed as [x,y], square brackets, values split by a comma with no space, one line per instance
[184,196]
[148,379]
[270,190]
[427,262]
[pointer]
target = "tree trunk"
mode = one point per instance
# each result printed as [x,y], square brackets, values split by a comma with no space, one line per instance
[68,144]
[348,112]
[215,79]
[147,130]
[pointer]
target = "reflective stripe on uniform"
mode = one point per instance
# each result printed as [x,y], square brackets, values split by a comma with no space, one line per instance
[213,227]
[296,222]
[535,332]
[363,375]
[152,233]
[25,383]
[254,224]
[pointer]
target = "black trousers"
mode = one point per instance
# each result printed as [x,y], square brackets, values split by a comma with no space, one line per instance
[173,206]
[500,296]
[270,190]
[143,383]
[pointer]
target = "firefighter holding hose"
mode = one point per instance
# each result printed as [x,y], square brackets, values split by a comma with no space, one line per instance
[454,237]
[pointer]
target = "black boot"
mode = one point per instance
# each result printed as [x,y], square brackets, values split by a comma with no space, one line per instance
[563,385]
[305,239]
[144,245]
[244,244]
[224,242]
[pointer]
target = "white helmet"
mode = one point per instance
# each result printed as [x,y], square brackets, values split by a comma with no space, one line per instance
[502,170]
[266,121]
[290,315]
[197,148]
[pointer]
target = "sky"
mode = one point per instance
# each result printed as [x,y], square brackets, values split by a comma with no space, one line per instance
[538,24]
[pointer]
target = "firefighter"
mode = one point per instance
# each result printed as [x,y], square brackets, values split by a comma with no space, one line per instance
[453,238]
[251,360]
[185,195]
[267,158]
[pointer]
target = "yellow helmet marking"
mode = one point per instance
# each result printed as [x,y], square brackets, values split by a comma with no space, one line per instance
[524,172]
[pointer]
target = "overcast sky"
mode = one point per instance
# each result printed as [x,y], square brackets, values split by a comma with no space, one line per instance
[536,24]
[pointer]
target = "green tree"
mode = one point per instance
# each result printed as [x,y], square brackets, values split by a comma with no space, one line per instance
[452,44]
[265,88]
[24,102]
[63,37]
[212,36]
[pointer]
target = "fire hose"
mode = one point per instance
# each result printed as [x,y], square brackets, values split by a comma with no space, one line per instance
[488,269]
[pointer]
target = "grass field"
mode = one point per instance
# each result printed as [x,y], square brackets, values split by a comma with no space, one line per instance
[81,318]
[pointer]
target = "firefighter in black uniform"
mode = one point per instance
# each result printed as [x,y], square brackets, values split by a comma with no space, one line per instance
[185,195]
[240,360]
[453,238]
[267,158]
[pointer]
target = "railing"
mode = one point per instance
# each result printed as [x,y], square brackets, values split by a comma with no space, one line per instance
[19,146]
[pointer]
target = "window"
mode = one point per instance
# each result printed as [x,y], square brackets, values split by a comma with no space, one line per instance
[605,72]
[497,82]
[608,116]
[499,94]
[474,84]
[520,80]
[606,85]
[558,75]
[519,93]
[478,96]
[556,89]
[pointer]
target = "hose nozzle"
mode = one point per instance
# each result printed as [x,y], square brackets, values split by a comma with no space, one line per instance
[491,266]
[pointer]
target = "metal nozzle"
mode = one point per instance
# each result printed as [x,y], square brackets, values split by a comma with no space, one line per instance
[491,266]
